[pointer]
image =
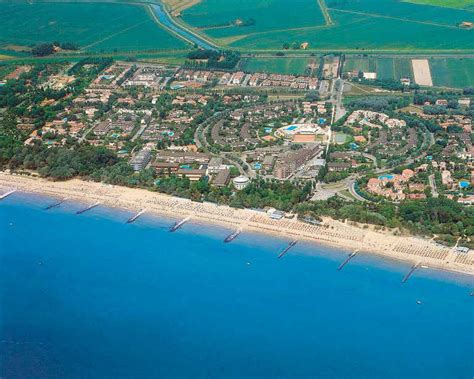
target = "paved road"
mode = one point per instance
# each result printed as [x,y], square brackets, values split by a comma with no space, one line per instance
[354,192]
[434,190]
[321,193]
[340,110]
[140,131]
[85,134]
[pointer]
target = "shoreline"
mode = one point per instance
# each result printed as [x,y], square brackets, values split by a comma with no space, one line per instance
[336,234]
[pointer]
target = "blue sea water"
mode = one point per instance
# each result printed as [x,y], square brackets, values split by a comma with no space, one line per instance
[89,296]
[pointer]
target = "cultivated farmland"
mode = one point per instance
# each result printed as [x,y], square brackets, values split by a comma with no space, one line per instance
[452,72]
[356,25]
[282,65]
[392,68]
[218,18]
[445,72]
[94,26]
[422,72]
[460,4]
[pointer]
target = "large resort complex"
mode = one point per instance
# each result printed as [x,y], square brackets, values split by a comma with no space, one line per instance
[226,137]
[236,189]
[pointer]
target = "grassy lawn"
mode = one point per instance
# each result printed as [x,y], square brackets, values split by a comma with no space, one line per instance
[341,138]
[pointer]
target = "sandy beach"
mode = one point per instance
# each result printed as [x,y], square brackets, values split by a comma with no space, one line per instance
[333,233]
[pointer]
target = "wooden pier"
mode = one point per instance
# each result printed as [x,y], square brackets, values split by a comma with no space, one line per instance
[178,225]
[134,218]
[351,255]
[55,205]
[6,194]
[287,249]
[88,208]
[410,273]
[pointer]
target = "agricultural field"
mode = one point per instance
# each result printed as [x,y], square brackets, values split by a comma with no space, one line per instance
[393,68]
[445,72]
[95,27]
[282,65]
[218,19]
[452,72]
[460,4]
[355,25]
[179,5]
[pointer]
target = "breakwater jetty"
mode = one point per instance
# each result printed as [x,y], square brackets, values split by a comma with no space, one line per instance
[6,194]
[55,205]
[179,224]
[351,255]
[233,236]
[410,273]
[136,216]
[287,249]
[88,208]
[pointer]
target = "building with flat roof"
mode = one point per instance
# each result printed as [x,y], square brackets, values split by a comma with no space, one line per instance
[289,164]
[215,165]
[165,168]
[222,178]
[182,156]
[192,174]
[141,159]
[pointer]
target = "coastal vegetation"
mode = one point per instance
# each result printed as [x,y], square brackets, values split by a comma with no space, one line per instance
[445,218]
[442,217]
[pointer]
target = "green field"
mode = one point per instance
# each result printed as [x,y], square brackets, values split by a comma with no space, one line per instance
[460,4]
[342,138]
[95,27]
[445,72]
[360,64]
[393,68]
[212,16]
[452,72]
[282,65]
[357,25]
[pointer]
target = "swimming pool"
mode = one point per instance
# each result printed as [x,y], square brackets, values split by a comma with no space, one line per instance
[292,127]
[464,184]
[386,176]
[354,146]
[107,77]
[176,86]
